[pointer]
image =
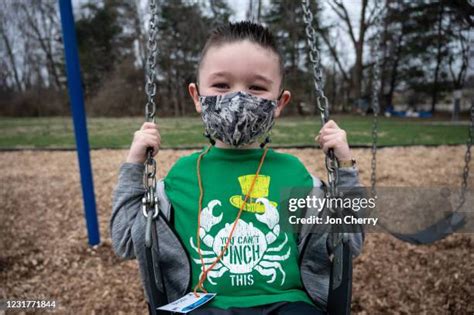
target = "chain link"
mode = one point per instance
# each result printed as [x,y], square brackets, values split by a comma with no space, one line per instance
[149,201]
[321,99]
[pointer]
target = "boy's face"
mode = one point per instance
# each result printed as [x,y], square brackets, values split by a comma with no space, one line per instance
[240,66]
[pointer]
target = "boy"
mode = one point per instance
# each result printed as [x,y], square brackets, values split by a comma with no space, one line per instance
[220,230]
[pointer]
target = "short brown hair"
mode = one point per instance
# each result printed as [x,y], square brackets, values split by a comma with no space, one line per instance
[243,30]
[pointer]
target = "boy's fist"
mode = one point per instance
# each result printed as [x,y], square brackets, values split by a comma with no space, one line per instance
[147,136]
[332,137]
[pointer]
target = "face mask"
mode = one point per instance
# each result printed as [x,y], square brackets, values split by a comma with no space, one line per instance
[237,118]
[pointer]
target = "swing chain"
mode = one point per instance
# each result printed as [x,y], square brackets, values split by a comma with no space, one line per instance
[315,58]
[150,201]
[152,47]
[467,155]
[467,159]
[321,99]
[375,104]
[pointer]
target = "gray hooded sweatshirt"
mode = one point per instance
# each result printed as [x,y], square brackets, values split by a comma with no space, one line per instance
[127,230]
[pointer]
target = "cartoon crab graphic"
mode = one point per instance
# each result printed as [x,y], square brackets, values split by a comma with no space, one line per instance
[249,249]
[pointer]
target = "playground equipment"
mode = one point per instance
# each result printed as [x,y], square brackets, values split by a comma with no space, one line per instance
[340,283]
[76,98]
[339,300]
[452,221]
[340,290]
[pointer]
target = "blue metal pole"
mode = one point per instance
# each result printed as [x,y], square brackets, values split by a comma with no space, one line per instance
[76,98]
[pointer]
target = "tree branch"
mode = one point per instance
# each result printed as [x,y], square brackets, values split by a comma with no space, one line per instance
[344,15]
[333,51]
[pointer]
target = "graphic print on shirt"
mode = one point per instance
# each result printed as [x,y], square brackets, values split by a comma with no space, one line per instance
[250,250]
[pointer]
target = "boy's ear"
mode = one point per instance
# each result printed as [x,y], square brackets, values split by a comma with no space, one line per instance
[284,100]
[193,92]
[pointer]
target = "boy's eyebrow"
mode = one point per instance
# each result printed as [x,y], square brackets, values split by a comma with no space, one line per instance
[219,74]
[263,78]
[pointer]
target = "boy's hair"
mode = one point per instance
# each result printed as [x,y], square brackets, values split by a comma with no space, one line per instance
[243,30]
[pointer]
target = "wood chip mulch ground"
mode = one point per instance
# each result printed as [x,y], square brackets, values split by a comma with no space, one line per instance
[44,251]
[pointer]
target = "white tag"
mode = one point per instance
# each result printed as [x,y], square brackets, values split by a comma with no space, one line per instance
[188,302]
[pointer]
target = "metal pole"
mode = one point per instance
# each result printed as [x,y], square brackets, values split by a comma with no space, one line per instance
[76,98]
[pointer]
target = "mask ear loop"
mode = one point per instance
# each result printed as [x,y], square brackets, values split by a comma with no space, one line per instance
[197,89]
[281,94]
[268,138]
[206,134]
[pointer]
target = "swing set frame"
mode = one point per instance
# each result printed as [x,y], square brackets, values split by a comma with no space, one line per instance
[340,291]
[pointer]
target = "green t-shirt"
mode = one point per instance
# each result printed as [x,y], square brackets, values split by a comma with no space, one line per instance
[260,265]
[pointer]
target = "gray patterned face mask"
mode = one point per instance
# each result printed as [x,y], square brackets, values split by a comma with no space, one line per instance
[237,118]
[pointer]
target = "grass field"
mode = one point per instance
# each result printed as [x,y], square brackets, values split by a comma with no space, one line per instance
[58,132]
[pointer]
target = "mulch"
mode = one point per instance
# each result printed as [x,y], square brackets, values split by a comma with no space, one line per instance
[45,255]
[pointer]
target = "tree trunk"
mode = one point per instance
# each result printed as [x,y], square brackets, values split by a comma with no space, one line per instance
[358,71]
[394,72]
[434,91]
[12,59]
[51,65]
[359,49]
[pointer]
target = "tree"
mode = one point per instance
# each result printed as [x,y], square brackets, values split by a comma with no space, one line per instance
[367,18]
[393,40]
[7,42]
[220,12]
[419,37]
[33,26]
[105,38]
[285,19]
[254,10]
[42,25]
[182,32]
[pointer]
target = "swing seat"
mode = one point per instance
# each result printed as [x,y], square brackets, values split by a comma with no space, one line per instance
[435,232]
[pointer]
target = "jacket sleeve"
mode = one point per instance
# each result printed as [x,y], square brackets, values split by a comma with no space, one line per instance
[349,178]
[126,205]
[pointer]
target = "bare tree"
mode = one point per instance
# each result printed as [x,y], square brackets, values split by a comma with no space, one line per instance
[139,31]
[459,76]
[439,57]
[367,19]
[459,51]
[11,58]
[254,10]
[331,43]
[42,25]
[7,15]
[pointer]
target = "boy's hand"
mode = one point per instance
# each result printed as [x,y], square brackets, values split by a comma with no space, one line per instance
[147,136]
[331,136]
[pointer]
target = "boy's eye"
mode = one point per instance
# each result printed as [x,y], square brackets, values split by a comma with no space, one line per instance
[220,86]
[257,87]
